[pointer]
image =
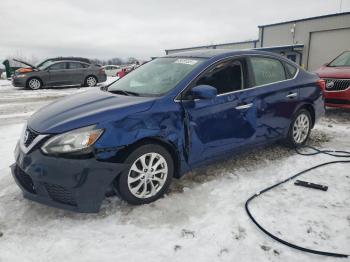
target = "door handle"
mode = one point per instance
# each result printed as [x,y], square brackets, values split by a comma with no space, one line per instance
[292,95]
[246,106]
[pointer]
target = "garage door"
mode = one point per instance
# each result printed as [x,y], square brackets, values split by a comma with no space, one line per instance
[326,45]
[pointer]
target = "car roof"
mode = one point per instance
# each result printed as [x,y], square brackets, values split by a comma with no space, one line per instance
[212,53]
[69,58]
[69,61]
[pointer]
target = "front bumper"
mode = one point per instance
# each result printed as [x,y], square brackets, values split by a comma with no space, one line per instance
[19,82]
[339,99]
[74,184]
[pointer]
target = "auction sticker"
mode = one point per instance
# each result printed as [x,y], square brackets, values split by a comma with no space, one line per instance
[186,61]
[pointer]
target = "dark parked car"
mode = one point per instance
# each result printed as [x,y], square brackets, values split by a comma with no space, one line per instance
[166,117]
[58,73]
[68,58]
[337,76]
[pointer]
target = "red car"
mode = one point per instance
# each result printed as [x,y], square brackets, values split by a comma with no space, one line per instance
[337,76]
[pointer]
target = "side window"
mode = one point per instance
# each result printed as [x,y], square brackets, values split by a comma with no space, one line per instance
[225,77]
[292,70]
[58,66]
[267,70]
[75,65]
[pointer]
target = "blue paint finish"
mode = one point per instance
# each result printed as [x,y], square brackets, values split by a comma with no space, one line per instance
[198,131]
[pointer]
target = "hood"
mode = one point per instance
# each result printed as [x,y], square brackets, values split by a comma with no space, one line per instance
[20,61]
[334,72]
[88,108]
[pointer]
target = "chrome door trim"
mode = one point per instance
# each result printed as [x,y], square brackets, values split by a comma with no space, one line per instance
[246,106]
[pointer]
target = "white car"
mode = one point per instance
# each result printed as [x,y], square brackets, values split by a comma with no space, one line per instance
[111,70]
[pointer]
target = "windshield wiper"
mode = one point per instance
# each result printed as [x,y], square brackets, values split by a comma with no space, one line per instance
[123,92]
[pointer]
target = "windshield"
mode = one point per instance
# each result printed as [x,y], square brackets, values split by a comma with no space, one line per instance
[342,60]
[45,64]
[156,77]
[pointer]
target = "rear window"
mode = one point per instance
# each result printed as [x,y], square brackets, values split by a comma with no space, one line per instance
[75,65]
[267,70]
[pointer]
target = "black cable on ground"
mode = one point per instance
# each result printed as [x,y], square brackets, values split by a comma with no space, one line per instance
[335,153]
[316,151]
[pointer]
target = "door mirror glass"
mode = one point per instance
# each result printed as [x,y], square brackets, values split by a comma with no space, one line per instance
[204,92]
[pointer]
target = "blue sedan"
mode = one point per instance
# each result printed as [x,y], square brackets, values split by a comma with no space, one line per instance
[168,116]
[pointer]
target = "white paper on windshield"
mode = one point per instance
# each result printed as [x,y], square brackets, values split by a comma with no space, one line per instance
[186,61]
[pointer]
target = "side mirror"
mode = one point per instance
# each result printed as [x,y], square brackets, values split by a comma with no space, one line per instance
[325,64]
[204,92]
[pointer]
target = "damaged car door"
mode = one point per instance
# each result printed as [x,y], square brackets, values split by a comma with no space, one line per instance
[276,93]
[219,124]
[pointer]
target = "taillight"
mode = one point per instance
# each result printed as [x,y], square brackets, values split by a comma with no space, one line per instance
[322,84]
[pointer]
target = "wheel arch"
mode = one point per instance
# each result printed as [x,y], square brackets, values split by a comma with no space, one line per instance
[311,110]
[34,77]
[88,75]
[167,144]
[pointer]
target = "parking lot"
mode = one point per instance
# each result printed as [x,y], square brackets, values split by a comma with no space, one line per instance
[202,216]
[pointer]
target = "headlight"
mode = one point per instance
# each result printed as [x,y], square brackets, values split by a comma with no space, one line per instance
[77,140]
[20,76]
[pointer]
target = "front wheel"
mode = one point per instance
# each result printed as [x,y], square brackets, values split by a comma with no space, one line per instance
[300,128]
[34,84]
[148,175]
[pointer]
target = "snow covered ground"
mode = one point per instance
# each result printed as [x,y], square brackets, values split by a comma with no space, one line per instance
[202,218]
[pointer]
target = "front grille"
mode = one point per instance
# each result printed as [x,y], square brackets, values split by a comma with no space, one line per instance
[25,180]
[29,136]
[60,194]
[337,84]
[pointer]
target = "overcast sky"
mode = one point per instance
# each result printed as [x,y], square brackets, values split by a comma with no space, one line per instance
[143,28]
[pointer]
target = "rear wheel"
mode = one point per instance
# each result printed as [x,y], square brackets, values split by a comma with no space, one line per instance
[34,84]
[300,128]
[90,81]
[148,176]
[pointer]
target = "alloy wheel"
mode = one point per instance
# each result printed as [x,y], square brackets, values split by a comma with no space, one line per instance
[34,84]
[147,175]
[91,81]
[301,128]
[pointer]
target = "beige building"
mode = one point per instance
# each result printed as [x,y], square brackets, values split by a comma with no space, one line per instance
[309,42]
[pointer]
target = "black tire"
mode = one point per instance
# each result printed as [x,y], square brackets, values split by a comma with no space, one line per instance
[34,83]
[122,186]
[291,140]
[90,81]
